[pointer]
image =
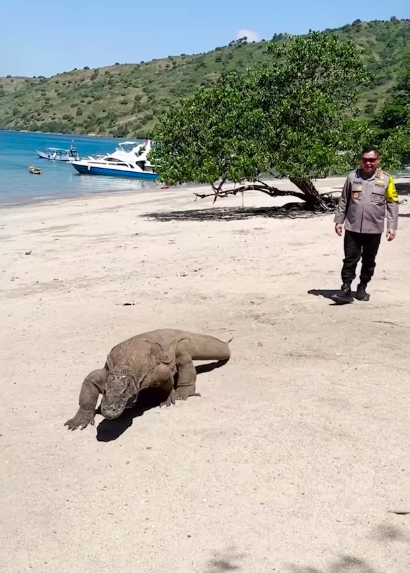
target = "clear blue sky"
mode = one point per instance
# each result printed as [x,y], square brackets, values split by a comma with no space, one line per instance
[43,37]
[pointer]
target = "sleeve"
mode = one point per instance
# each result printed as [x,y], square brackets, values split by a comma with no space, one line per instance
[392,206]
[341,208]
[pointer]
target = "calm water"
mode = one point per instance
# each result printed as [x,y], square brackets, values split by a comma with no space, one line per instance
[17,152]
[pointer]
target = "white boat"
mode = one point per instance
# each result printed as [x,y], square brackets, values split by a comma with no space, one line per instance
[58,154]
[128,160]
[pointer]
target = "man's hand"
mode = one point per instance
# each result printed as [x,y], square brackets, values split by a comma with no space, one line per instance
[339,229]
[391,234]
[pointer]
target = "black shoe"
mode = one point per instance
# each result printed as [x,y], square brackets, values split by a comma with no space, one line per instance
[361,293]
[345,297]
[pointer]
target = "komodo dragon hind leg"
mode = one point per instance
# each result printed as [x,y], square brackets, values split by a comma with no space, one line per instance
[186,377]
[92,386]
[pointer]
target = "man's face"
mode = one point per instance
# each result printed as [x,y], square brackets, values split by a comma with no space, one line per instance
[370,162]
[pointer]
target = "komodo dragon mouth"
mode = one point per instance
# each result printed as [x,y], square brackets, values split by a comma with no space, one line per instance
[121,392]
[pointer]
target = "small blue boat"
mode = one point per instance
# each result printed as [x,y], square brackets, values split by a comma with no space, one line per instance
[123,162]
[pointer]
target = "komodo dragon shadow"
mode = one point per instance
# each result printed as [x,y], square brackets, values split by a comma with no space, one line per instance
[160,359]
[111,430]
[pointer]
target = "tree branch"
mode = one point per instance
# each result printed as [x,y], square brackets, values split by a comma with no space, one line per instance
[218,190]
[261,186]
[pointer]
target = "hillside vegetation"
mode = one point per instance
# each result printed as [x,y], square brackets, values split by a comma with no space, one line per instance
[125,99]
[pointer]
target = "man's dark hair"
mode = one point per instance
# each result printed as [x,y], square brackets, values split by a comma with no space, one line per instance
[369,149]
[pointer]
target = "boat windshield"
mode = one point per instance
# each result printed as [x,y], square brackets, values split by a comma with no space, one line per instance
[128,145]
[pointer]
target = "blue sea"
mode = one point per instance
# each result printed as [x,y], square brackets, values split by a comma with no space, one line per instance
[58,179]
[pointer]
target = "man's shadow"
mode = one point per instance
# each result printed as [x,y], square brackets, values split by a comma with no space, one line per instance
[109,430]
[328,294]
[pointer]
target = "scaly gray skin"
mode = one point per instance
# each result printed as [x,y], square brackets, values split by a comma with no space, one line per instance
[148,360]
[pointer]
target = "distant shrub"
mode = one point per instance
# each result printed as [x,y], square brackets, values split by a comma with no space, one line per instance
[86,68]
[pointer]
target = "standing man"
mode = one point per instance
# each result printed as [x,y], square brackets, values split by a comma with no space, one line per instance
[368,196]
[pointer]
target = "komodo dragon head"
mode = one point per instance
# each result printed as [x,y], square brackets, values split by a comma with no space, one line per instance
[121,390]
[132,365]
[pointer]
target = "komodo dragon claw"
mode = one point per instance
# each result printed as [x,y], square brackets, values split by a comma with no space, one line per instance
[170,401]
[81,420]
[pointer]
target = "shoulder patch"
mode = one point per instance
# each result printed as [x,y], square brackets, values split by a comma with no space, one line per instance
[391,193]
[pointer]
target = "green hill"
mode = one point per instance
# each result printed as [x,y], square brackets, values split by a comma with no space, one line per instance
[124,100]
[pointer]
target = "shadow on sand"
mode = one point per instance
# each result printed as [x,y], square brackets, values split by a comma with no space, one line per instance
[328,294]
[225,561]
[290,211]
[110,430]
[388,535]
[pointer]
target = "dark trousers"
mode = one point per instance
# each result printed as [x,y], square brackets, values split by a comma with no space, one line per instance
[356,246]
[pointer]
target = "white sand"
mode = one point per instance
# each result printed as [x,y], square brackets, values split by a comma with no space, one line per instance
[298,447]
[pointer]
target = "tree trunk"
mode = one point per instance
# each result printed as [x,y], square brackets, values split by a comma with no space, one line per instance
[310,194]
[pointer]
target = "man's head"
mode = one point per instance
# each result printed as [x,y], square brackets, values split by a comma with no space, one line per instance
[120,391]
[370,160]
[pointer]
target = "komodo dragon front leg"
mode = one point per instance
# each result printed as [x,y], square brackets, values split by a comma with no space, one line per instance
[186,374]
[93,385]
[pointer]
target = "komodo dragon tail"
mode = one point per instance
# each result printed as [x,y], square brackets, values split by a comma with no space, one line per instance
[206,347]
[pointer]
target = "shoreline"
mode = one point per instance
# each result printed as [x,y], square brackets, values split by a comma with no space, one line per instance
[93,135]
[325,185]
[63,197]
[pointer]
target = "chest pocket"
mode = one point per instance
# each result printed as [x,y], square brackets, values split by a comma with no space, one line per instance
[378,197]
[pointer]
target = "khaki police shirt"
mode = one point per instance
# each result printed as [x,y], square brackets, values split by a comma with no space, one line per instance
[363,205]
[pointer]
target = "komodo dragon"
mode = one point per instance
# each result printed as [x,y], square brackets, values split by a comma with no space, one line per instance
[148,360]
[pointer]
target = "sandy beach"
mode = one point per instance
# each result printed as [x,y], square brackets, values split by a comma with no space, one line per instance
[295,455]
